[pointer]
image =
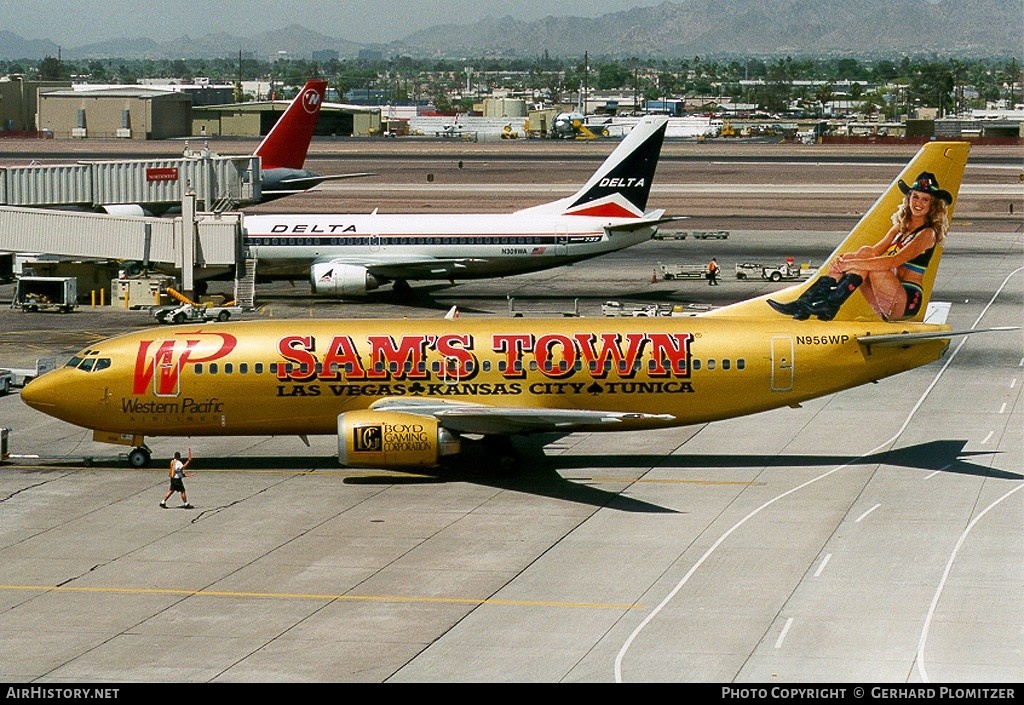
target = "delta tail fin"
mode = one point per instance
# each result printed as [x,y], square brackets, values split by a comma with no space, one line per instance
[621,186]
[287,143]
[944,162]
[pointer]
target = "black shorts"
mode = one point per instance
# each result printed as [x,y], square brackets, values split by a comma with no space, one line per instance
[177,485]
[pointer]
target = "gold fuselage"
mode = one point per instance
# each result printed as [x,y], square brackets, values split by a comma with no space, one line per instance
[295,377]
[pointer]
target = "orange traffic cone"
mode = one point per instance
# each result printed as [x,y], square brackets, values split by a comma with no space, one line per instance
[654,277]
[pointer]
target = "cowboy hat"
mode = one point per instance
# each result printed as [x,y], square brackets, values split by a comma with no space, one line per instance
[927,183]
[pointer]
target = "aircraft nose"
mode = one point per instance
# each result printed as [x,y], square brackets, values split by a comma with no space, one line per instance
[43,392]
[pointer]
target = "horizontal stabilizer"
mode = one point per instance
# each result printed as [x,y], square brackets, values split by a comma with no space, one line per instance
[912,338]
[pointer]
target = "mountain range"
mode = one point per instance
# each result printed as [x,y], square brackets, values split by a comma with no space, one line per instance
[707,28]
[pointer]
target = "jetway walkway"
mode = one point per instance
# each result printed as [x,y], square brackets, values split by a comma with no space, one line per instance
[197,244]
[152,185]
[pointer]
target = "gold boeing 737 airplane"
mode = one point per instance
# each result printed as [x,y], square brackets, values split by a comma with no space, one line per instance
[410,393]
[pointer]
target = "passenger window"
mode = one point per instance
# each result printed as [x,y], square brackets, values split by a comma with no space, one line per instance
[741,364]
[696,364]
[711,364]
[258,368]
[726,364]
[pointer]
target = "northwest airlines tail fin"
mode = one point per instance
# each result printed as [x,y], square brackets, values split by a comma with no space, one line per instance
[852,290]
[288,141]
[620,187]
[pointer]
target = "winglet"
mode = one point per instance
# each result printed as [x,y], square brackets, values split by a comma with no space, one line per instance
[288,141]
[622,184]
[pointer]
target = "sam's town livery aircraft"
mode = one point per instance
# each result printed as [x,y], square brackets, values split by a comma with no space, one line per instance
[405,393]
[349,255]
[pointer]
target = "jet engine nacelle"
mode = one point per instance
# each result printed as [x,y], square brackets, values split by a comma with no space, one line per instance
[333,279]
[386,439]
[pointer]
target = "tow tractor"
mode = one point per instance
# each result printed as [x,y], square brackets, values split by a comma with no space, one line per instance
[188,310]
[787,271]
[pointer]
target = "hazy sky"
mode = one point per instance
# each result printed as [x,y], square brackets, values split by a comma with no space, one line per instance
[75,22]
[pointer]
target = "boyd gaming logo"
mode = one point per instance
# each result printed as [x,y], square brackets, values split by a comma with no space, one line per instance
[367,439]
[311,101]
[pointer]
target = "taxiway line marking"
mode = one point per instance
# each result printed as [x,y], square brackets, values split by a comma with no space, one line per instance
[314,596]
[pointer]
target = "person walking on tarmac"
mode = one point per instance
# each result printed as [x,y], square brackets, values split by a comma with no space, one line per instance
[177,474]
[713,272]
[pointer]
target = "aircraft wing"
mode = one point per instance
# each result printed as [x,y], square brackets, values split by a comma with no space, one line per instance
[426,267]
[483,419]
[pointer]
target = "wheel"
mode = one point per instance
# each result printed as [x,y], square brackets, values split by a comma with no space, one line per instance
[741,275]
[776,277]
[139,457]
[669,277]
[504,456]
[179,317]
[223,316]
[5,387]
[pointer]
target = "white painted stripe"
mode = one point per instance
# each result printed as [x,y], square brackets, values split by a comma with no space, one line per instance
[988,437]
[906,422]
[864,515]
[942,584]
[824,562]
[782,635]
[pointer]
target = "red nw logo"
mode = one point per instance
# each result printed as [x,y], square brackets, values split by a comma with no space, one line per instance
[158,364]
[310,101]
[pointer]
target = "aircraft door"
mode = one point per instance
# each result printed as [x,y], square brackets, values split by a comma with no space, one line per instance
[782,363]
[166,372]
[562,242]
[451,370]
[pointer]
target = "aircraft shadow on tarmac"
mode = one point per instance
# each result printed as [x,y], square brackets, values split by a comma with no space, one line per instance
[539,473]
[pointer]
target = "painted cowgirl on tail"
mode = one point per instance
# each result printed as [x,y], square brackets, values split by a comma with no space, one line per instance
[889,273]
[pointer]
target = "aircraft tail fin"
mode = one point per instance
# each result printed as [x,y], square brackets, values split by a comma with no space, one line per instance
[935,164]
[288,141]
[622,184]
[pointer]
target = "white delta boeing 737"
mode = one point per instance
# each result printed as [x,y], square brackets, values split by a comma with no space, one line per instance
[350,255]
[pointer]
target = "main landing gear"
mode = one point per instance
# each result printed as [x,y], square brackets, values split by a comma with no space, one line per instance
[139,457]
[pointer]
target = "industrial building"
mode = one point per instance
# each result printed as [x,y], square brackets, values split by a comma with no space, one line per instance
[61,110]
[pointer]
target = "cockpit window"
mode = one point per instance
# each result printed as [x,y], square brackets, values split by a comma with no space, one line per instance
[91,363]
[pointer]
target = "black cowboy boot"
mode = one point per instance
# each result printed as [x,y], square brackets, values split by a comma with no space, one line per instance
[819,289]
[827,307]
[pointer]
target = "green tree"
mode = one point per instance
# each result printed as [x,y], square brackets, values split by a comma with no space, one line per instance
[50,69]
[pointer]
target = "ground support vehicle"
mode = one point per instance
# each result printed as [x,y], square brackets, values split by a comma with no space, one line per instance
[788,271]
[516,311]
[11,378]
[696,234]
[188,310]
[185,313]
[683,271]
[46,294]
[615,308]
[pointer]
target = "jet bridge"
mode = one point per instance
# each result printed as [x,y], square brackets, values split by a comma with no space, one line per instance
[197,244]
[148,185]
